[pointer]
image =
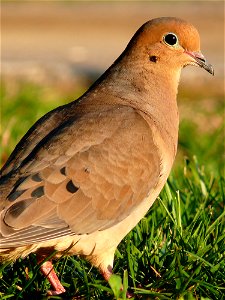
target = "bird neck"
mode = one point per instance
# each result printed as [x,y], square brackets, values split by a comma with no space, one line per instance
[142,88]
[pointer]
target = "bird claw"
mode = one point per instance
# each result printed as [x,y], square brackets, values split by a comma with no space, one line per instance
[129,295]
[55,292]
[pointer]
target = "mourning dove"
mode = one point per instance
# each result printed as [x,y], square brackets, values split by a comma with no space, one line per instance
[86,173]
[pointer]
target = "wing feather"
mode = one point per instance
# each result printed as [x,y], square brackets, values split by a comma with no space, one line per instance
[85,176]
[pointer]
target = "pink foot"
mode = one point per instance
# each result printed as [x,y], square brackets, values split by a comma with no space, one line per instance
[129,295]
[48,271]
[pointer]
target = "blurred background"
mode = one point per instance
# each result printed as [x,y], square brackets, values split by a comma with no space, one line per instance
[52,51]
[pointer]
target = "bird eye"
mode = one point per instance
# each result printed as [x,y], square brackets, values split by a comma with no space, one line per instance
[170,39]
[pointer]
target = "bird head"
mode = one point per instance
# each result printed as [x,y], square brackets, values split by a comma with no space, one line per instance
[169,42]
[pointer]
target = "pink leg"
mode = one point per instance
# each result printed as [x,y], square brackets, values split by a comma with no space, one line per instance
[106,273]
[48,271]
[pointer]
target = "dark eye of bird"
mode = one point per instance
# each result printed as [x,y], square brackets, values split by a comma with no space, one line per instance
[170,39]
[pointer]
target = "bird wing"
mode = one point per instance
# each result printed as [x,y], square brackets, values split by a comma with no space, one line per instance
[33,136]
[87,174]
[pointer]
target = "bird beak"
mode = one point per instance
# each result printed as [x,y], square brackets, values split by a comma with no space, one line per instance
[201,62]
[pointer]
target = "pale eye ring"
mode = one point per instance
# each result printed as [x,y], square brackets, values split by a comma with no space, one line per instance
[170,39]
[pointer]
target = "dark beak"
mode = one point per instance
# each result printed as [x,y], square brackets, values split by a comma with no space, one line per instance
[199,59]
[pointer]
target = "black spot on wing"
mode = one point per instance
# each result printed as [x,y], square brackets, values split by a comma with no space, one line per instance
[36,178]
[16,209]
[63,171]
[38,192]
[71,187]
[15,194]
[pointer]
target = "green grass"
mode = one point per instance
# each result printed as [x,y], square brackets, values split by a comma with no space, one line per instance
[176,252]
